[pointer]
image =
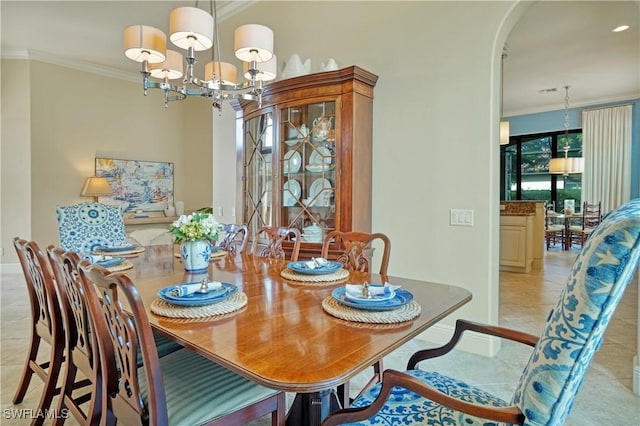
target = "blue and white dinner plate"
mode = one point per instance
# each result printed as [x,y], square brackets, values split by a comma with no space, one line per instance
[301,267]
[198,299]
[401,298]
[378,291]
[123,247]
[107,263]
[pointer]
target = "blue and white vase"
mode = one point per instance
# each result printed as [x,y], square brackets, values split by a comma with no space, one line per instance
[196,255]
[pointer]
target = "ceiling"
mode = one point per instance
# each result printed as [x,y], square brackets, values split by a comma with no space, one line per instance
[554,44]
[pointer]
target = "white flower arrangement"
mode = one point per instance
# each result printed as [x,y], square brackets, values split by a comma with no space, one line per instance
[196,226]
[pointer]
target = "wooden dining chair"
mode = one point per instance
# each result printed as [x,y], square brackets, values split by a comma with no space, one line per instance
[46,326]
[268,242]
[182,388]
[80,358]
[560,357]
[355,254]
[235,238]
[355,249]
[591,217]
[85,226]
[553,232]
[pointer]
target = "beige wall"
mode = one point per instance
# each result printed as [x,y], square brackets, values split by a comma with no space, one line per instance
[74,116]
[436,118]
[15,176]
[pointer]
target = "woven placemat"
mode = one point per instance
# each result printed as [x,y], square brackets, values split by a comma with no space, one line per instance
[215,255]
[124,253]
[232,304]
[402,314]
[125,265]
[318,280]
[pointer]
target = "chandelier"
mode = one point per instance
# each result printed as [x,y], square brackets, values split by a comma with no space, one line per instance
[504,124]
[193,29]
[566,165]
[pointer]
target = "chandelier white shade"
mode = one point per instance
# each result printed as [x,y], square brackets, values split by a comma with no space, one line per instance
[194,29]
[145,43]
[171,68]
[191,27]
[253,42]
[221,71]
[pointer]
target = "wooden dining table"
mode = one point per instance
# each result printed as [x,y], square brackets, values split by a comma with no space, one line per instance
[283,338]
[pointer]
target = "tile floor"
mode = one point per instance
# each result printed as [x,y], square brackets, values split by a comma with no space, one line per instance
[606,397]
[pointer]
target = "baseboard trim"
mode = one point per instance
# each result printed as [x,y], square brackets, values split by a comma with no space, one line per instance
[479,344]
[10,268]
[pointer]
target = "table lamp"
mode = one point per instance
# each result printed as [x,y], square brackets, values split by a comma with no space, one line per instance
[95,186]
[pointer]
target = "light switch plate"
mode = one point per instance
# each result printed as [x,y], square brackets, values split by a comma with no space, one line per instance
[461,217]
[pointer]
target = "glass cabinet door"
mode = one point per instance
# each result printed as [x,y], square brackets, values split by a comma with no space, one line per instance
[258,146]
[308,168]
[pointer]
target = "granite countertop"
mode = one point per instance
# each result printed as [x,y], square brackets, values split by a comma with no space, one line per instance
[506,213]
[518,207]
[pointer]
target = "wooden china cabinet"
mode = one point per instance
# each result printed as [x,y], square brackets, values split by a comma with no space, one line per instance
[305,155]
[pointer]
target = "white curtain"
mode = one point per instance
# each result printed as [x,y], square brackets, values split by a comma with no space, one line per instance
[607,156]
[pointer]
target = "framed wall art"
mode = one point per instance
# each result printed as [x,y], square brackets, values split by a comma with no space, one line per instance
[137,185]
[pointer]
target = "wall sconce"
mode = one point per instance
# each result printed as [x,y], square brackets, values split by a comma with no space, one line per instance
[95,187]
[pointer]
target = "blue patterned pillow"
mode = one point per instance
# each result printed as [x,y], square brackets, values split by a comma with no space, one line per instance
[576,325]
[85,226]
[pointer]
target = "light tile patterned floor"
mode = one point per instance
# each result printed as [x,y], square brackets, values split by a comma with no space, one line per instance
[525,300]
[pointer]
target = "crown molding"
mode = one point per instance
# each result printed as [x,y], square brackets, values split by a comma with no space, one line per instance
[224,11]
[575,105]
[79,65]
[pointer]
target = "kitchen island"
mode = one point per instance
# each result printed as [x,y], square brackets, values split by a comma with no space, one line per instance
[521,235]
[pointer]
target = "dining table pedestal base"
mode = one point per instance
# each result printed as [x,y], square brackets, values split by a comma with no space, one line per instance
[312,408]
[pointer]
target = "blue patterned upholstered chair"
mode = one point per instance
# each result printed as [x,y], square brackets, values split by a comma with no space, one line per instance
[558,363]
[83,227]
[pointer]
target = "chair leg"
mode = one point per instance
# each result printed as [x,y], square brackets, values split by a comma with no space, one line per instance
[27,372]
[49,390]
[278,417]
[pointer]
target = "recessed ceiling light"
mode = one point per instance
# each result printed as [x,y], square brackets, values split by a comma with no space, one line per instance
[620,28]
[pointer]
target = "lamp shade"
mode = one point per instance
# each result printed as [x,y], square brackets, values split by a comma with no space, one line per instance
[171,68]
[267,71]
[191,27]
[504,133]
[575,165]
[95,186]
[253,42]
[566,165]
[142,42]
[222,72]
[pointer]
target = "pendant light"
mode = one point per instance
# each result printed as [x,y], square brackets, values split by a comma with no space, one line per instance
[504,125]
[566,165]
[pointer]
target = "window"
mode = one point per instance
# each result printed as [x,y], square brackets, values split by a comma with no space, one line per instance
[524,168]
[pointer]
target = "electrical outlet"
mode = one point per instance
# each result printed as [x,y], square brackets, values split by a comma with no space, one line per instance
[461,217]
[233,211]
[220,211]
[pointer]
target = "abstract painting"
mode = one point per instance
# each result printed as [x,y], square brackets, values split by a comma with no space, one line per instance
[137,185]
